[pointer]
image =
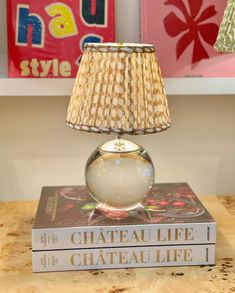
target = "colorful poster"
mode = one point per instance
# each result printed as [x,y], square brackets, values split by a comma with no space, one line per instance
[46,38]
[184,32]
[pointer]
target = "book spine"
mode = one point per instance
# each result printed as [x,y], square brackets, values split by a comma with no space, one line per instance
[124,257]
[119,236]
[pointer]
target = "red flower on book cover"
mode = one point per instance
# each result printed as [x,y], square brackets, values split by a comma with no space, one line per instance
[193,29]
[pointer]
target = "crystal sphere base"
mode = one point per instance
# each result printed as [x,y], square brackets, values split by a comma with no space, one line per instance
[119,174]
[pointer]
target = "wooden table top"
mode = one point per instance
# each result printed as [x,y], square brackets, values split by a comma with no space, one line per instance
[16,275]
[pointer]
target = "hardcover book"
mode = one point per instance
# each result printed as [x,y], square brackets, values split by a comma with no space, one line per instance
[124,257]
[46,38]
[69,218]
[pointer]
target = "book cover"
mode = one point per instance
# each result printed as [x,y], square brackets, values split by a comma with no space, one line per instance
[184,33]
[46,38]
[69,218]
[125,257]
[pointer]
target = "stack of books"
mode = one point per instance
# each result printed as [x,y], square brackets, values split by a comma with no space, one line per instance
[72,232]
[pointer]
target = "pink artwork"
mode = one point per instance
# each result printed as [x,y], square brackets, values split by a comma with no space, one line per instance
[46,38]
[184,32]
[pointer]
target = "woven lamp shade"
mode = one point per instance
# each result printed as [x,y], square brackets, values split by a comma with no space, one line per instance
[119,89]
[226,37]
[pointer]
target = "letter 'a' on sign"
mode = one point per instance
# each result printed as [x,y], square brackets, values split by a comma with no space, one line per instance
[63,23]
[46,37]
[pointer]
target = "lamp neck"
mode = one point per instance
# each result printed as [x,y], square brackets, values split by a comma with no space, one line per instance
[118,136]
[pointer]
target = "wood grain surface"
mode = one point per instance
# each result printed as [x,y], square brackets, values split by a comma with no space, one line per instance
[16,275]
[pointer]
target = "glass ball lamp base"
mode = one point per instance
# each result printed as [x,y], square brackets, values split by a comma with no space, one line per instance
[119,174]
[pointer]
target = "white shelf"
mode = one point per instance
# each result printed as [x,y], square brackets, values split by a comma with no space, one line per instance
[200,86]
[36,87]
[63,87]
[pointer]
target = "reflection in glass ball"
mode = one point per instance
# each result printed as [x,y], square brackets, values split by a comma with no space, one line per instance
[119,174]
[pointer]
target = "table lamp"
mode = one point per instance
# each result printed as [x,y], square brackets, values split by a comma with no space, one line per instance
[119,90]
[226,37]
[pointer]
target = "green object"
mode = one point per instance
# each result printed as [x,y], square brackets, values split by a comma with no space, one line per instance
[226,37]
[89,206]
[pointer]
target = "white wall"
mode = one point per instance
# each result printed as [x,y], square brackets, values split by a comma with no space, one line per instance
[37,148]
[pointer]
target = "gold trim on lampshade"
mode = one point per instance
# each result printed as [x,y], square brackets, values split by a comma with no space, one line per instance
[119,89]
[226,37]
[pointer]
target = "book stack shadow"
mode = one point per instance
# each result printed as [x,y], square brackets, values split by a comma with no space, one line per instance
[72,232]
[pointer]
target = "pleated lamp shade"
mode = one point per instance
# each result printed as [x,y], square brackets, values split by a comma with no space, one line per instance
[119,89]
[226,37]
